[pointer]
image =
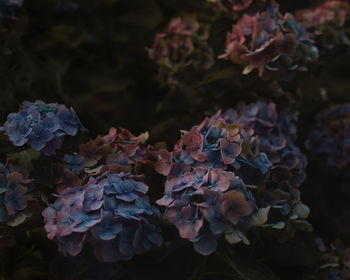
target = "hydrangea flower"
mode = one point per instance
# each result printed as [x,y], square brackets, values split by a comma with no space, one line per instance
[111,211]
[42,126]
[271,136]
[206,193]
[183,44]
[331,137]
[275,44]
[14,187]
[326,22]
[212,144]
[202,199]
[207,206]
[74,162]
[272,161]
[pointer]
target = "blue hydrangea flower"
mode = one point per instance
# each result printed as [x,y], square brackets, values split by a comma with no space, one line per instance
[42,126]
[109,227]
[111,211]
[126,190]
[74,162]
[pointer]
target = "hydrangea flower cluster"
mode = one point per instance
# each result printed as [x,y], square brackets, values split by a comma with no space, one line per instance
[274,44]
[111,211]
[14,187]
[230,5]
[326,22]
[206,193]
[183,44]
[331,136]
[202,199]
[42,126]
[272,161]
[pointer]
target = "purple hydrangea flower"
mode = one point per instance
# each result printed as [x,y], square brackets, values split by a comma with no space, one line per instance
[111,211]
[197,182]
[202,213]
[42,126]
[205,192]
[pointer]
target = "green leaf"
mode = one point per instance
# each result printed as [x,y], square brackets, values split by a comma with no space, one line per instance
[25,158]
[19,219]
